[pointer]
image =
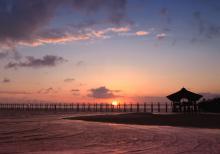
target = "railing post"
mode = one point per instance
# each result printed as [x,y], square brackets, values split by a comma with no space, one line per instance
[84,107]
[152,108]
[158,105]
[166,106]
[137,107]
[145,109]
[124,107]
[112,108]
[88,109]
[131,108]
[77,107]
[100,106]
[93,108]
[96,107]
[119,107]
[106,107]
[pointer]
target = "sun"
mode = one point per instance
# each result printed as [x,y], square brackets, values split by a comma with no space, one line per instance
[114,102]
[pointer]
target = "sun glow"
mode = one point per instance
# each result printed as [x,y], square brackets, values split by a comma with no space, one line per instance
[114,102]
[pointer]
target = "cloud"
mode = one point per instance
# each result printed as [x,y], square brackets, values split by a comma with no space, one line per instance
[163,11]
[161,36]
[9,53]
[206,29]
[103,33]
[75,92]
[102,92]
[210,95]
[115,9]
[70,33]
[46,61]
[6,80]
[199,21]
[49,90]
[142,33]
[69,80]
[118,29]
[14,92]
[4,54]
[80,63]
[25,22]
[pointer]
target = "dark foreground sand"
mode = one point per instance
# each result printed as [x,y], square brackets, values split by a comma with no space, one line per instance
[183,120]
[49,133]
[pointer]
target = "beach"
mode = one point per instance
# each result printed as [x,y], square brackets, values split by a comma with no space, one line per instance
[182,120]
[50,132]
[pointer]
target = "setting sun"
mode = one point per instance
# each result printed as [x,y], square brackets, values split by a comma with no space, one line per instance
[114,102]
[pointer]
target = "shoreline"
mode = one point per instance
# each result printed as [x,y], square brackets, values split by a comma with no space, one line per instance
[179,120]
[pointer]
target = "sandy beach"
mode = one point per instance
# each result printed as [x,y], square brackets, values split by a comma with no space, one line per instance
[50,132]
[182,120]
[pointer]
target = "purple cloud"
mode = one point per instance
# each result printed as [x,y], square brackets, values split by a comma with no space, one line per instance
[69,80]
[4,54]
[80,63]
[14,92]
[46,61]
[25,21]
[206,29]
[102,92]
[12,54]
[75,92]
[49,90]
[161,36]
[6,80]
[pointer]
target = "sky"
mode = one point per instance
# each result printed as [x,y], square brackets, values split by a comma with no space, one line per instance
[104,50]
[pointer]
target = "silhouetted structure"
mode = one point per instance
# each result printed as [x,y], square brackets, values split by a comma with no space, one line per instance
[184,100]
[211,105]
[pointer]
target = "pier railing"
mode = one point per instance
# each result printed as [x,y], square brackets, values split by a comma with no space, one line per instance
[90,107]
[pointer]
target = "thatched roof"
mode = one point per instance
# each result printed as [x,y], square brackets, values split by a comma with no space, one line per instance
[184,93]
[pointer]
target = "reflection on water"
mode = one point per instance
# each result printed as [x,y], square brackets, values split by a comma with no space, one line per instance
[49,133]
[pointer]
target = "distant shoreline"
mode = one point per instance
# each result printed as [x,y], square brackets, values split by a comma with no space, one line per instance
[180,120]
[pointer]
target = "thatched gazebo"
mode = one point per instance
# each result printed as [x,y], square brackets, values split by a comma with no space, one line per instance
[184,100]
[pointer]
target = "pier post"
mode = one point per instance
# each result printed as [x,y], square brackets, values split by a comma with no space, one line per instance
[124,107]
[119,107]
[112,108]
[131,107]
[106,107]
[158,105]
[84,107]
[100,106]
[88,109]
[152,108]
[77,107]
[96,107]
[138,107]
[145,109]
[166,106]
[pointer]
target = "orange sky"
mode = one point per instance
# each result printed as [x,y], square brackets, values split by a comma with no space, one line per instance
[123,50]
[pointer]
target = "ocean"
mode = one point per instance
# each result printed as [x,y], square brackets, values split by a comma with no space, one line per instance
[49,133]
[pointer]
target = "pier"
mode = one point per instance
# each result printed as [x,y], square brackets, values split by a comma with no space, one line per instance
[90,107]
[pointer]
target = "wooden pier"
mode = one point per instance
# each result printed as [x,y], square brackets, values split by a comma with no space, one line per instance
[89,107]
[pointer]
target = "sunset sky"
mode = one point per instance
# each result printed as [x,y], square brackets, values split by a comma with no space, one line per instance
[104,50]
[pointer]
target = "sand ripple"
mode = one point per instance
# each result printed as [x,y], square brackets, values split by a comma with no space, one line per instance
[52,134]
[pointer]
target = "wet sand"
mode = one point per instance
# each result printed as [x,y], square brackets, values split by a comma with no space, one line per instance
[51,133]
[182,120]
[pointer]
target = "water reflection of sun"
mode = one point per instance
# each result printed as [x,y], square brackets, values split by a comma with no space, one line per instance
[114,102]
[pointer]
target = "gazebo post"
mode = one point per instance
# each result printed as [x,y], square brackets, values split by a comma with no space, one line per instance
[195,106]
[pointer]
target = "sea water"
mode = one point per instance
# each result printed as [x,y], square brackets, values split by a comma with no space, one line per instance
[43,133]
